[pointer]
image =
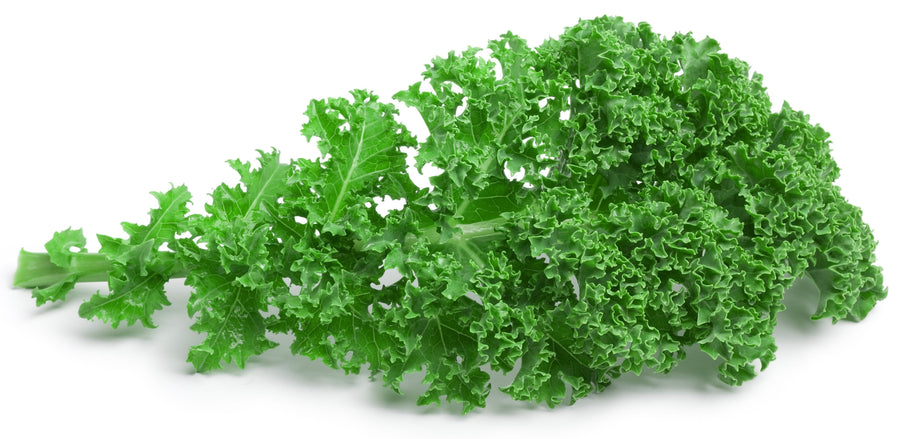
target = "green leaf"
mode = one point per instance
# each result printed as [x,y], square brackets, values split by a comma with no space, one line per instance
[139,268]
[60,247]
[60,251]
[131,299]
[361,143]
[604,201]
[229,313]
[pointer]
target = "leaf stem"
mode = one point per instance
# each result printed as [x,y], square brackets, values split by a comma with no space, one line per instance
[35,270]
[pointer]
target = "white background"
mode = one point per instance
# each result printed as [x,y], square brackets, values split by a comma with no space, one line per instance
[101,103]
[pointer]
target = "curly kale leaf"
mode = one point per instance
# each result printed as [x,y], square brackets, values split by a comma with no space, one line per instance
[606,199]
[140,268]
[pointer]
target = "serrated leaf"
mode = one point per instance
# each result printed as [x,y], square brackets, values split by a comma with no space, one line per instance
[229,314]
[139,270]
[131,299]
[59,250]
[603,200]
[361,144]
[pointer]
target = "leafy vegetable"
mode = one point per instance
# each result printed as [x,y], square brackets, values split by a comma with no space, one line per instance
[606,199]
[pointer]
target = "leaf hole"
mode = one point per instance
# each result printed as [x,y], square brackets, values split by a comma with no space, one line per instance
[576,288]
[388,278]
[462,106]
[517,176]
[387,204]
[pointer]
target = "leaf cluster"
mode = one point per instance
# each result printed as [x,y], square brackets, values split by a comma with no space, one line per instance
[606,199]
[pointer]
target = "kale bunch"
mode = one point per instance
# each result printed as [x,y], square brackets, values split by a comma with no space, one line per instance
[605,200]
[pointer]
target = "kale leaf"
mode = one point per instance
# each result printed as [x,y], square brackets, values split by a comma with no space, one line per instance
[606,199]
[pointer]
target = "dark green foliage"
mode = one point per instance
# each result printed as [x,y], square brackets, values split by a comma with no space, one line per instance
[657,204]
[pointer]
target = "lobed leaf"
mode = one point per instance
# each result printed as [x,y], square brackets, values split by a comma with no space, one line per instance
[606,199]
[140,268]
